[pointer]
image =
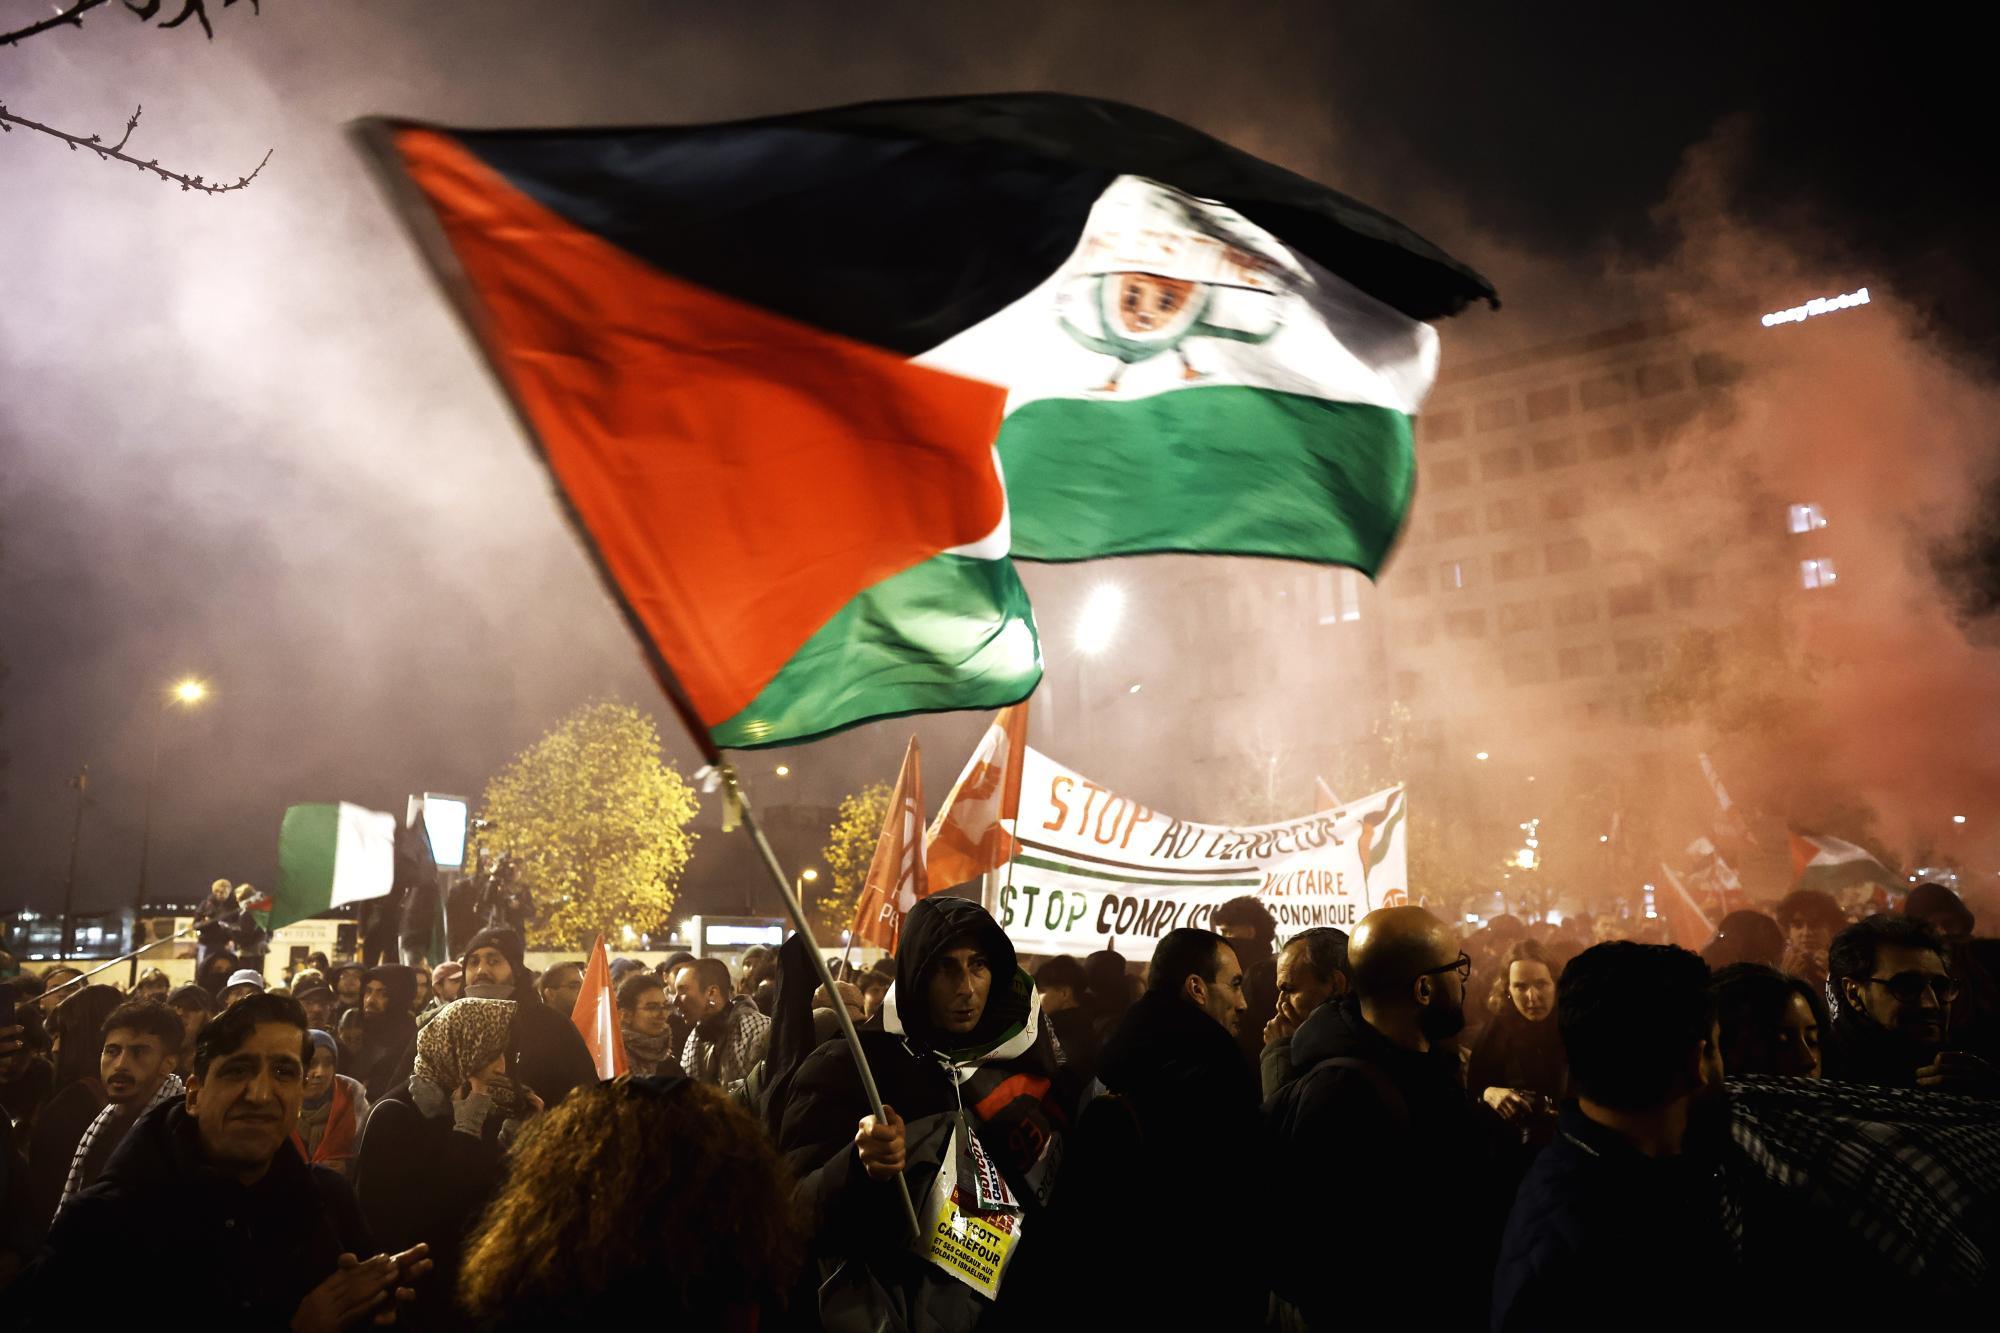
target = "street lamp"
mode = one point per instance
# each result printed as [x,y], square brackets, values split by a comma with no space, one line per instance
[784,770]
[1097,623]
[186,692]
[806,876]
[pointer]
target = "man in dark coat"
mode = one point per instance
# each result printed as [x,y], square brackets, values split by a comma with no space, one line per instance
[388,1029]
[1376,1115]
[960,1028]
[1892,1025]
[277,1238]
[1180,1092]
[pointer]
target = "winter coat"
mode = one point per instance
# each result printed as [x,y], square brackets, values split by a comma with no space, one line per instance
[52,1142]
[1857,1049]
[1597,1224]
[385,1038]
[1390,1132]
[1180,1091]
[420,1178]
[261,1247]
[859,1221]
[546,1052]
[1528,1057]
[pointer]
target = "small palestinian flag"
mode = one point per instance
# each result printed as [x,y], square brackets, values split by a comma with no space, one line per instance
[1819,862]
[329,856]
[775,367]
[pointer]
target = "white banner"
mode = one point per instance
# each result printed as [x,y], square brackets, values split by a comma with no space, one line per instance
[1097,870]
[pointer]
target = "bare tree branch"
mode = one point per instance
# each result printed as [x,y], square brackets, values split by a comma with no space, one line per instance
[73,17]
[95,143]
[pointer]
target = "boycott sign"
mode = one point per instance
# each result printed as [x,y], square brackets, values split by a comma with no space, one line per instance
[1097,870]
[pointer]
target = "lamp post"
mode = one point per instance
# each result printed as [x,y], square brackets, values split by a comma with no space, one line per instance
[187,693]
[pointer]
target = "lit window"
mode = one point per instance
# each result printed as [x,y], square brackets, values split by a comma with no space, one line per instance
[1816,573]
[1806,518]
[1451,574]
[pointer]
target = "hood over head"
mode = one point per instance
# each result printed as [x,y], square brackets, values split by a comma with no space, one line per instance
[401,983]
[1012,1007]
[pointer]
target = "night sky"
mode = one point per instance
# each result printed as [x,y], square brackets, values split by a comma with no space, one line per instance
[240,437]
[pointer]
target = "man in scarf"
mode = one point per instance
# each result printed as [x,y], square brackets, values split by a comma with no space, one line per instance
[388,994]
[434,1146]
[138,1051]
[729,1033]
[334,1109]
[966,1073]
[642,1014]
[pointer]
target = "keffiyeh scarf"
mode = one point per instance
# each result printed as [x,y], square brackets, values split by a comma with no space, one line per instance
[170,1087]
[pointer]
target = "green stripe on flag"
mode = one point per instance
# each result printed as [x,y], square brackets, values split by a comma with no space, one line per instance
[1221,470]
[951,632]
[307,847]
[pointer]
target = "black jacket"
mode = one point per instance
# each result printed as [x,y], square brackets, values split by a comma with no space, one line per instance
[261,1247]
[1859,1050]
[420,1179]
[1601,1234]
[1390,1135]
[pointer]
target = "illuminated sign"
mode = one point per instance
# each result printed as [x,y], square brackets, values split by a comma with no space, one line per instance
[444,820]
[1819,305]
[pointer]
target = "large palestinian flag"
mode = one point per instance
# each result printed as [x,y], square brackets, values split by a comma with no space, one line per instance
[768,364]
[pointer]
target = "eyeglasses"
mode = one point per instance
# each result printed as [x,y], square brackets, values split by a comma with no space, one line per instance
[1463,967]
[1910,986]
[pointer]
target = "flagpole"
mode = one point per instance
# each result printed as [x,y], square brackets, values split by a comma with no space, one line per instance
[734,792]
[123,957]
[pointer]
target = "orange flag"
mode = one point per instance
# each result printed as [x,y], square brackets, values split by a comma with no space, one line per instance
[967,840]
[896,877]
[596,1015]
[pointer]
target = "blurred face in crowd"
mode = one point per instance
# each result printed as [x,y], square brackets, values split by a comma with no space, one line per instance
[348,1034]
[246,1103]
[695,1003]
[423,986]
[319,1074]
[450,986]
[319,1009]
[1605,929]
[132,1065]
[1909,992]
[872,992]
[1532,989]
[154,988]
[1221,999]
[1057,999]
[191,1020]
[561,985]
[375,998]
[54,992]
[1790,1050]
[648,1017]
[1811,936]
[348,986]
[960,981]
[487,966]
[235,993]
[1300,989]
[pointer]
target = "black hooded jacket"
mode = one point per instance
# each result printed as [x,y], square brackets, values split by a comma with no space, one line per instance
[262,1247]
[849,1214]
[386,1036]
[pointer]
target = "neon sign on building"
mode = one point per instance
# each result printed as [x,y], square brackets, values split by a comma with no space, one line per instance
[1819,305]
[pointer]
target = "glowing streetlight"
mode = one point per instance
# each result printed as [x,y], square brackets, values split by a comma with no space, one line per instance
[784,770]
[1958,819]
[190,691]
[1097,623]
[1481,756]
[806,876]
[187,692]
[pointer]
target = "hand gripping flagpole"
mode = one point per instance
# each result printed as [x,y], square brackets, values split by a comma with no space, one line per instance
[733,792]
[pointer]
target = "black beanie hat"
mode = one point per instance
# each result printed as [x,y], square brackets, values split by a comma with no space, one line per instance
[508,944]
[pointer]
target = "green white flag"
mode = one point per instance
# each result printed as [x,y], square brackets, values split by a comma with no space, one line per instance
[329,855]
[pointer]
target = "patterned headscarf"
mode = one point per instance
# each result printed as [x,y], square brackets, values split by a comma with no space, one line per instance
[464,1036]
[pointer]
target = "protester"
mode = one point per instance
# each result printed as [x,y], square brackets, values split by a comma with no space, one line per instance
[1181,1091]
[1312,971]
[59,983]
[447,981]
[1745,937]
[318,1000]
[642,1014]
[1252,933]
[431,1152]
[729,1033]
[752,958]
[1810,919]
[1941,909]
[875,983]
[388,1031]
[1769,1023]
[251,938]
[1377,1115]
[211,1176]
[213,973]
[1061,981]
[348,979]
[153,984]
[138,1052]
[75,1031]
[560,985]
[27,1076]
[1628,1191]
[959,1029]
[1108,993]
[349,1031]
[1893,1023]
[212,922]
[194,1006]
[242,982]
[423,1000]
[332,1110]
[654,1197]
[1517,1067]
[677,1027]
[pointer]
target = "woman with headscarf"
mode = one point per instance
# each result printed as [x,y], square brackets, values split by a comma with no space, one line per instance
[334,1109]
[432,1152]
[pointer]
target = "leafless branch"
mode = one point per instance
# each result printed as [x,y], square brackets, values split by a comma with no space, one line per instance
[73,17]
[114,152]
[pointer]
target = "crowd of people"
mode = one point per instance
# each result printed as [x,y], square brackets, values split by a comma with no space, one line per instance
[1528,1126]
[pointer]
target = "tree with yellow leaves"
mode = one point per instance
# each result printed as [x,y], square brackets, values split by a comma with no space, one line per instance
[850,847]
[596,822]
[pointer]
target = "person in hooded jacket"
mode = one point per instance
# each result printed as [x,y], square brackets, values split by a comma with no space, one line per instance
[957,1043]
[432,1151]
[388,994]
